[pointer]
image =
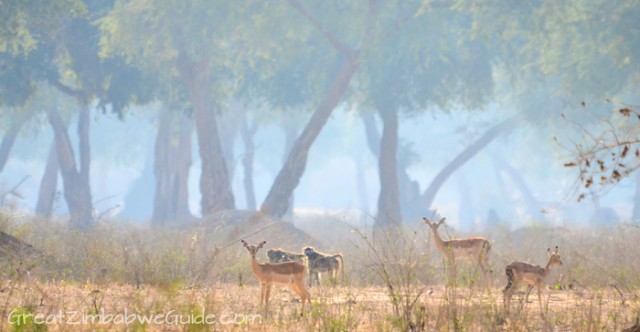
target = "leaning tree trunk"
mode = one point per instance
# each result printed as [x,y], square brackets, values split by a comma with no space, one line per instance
[171,168]
[430,193]
[215,186]
[290,134]
[77,191]
[277,201]
[247,161]
[48,185]
[388,201]
[466,212]
[533,205]
[8,141]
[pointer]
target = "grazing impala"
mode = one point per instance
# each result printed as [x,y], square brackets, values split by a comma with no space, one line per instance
[532,275]
[288,274]
[475,249]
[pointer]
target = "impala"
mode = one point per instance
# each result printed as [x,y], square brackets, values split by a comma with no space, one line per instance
[475,249]
[532,275]
[288,274]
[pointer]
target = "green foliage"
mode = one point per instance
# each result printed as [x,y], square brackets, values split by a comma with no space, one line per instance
[26,24]
[589,47]
[420,58]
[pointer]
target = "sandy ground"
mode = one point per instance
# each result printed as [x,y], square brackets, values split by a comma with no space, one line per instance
[226,307]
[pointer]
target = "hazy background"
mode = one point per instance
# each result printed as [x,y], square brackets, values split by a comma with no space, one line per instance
[449,71]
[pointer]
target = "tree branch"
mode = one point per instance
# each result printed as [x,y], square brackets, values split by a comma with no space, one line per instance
[337,44]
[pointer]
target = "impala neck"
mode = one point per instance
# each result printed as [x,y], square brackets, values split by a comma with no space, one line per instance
[547,267]
[255,266]
[440,244]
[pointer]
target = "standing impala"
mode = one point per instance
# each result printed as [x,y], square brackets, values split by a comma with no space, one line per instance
[475,249]
[532,275]
[288,274]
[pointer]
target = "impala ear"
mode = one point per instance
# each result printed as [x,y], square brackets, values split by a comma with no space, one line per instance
[262,244]
[441,221]
[244,243]
[556,250]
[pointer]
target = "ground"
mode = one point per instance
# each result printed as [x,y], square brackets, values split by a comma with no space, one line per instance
[231,307]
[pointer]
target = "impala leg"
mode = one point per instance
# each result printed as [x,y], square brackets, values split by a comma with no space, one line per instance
[507,293]
[263,289]
[302,291]
[540,299]
[484,264]
[267,294]
[526,297]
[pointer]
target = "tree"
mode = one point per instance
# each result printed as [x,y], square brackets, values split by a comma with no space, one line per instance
[65,55]
[586,51]
[171,168]
[193,46]
[277,200]
[417,67]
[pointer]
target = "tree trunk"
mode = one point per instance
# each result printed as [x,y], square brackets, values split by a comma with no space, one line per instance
[466,211]
[531,202]
[635,215]
[411,205]
[77,191]
[361,183]
[430,193]
[230,124]
[8,141]
[138,202]
[388,201]
[171,168]
[371,134]
[247,162]
[277,201]
[215,186]
[48,185]
[290,134]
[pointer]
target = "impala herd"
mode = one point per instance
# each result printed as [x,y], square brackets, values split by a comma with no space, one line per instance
[289,269]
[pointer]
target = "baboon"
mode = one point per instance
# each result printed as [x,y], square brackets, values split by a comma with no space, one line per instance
[281,255]
[321,262]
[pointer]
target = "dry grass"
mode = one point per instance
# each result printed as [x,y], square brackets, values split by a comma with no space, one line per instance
[394,281]
[333,309]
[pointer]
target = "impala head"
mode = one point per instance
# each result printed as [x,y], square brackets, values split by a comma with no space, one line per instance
[253,249]
[554,257]
[434,225]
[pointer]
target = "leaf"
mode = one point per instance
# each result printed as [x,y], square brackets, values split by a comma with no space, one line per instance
[624,151]
[571,164]
[615,175]
[587,163]
[625,111]
[581,197]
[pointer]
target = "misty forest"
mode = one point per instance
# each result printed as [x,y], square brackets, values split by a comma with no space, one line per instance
[435,148]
